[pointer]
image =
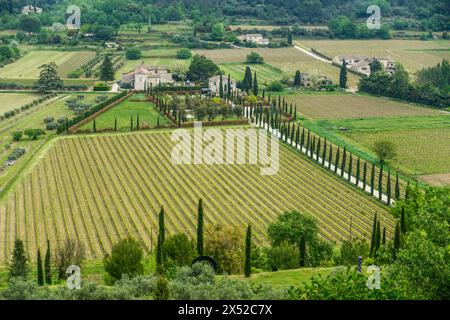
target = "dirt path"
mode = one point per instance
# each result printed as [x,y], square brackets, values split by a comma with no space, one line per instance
[313,55]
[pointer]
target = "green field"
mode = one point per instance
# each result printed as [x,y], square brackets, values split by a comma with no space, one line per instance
[265,73]
[27,67]
[148,116]
[101,188]
[288,60]
[11,101]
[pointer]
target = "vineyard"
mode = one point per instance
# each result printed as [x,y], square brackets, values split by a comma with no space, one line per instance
[99,189]
[265,73]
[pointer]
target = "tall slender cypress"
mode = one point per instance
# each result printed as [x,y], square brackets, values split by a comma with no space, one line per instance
[330,156]
[388,190]
[372,180]
[403,221]
[397,188]
[40,271]
[374,232]
[336,161]
[383,242]
[255,85]
[344,160]
[318,150]
[350,167]
[48,265]
[200,228]
[297,137]
[248,252]
[358,170]
[160,243]
[94,126]
[115,123]
[324,152]
[137,121]
[131,123]
[378,237]
[221,86]
[397,240]
[380,183]
[364,175]
[302,140]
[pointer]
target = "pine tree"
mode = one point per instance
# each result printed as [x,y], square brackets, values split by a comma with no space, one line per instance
[107,69]
[40,271]
[302,140]
[160,243]
[297,137]
[303,251]
[48,265]
[221,86]
[343,75]
[67,125]
[403,221]
[200,228]
[18,266]
[378,237]
[318,149]
[374,232]
[248,252]
[372,180]
[157,122]
[255,85]
[295,113]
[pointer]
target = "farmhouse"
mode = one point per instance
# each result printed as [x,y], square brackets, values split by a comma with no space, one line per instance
[144,76]
[214,84]
[308,80]
[29,9]
[255,38]
[361,64]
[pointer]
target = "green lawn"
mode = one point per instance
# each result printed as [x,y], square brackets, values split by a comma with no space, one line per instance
[148,115]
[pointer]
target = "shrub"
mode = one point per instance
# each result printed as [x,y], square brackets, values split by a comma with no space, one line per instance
[16,154]
[254,58]
[17,135]
[34,133]
[62,120]
[133,53]
[275,86]
[70,253]
[184,53]
[48,119]
[102,87]
[179,250]
[125,259]
[75,74]
[51,125]
[283,257]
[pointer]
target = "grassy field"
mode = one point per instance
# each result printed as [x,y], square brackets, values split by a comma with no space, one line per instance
[10,101]
[265,73]
[28,66]
[345,106]
[288,60]
[148,116]
[100,188]
[413,54]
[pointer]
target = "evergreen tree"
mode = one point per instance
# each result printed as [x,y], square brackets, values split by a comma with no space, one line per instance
[374,233]
[297,137]
[302,140]
[18,266]
[378,237]
[48,265]
[115,123]
[336,161]
[403,221]
[330,156]
[255,85]
[67,126]
[388,190]
[303,251]
[40,271]
[344,160]
[364,175]
[94,126]
[247,83]
[157,122]
[200,228]
[131,123]
[372,180]
[318,149]
[48,78]
[297,79]
[324,152]
[160,244]
[295,113]
[350,167]
[380,183]
[397,240]
[289,37]
[358,170]
[397,188]
[383,242]
[107,69]
[162,291]
[137,121]
[248,252]
[343,75]
[229,87]
[221,86]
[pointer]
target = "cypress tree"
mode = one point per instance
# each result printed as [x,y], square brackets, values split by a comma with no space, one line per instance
[303,251]
[67,125]
[295,113]
[308,141]
[344,160]
[48,265]
[221,86]
[407,191]
[397,240]
[374,232]
[388,190]
[131,123]
[372,180]
[248,252]
[383,242]
[403,221]
[311,149]
[350,167]
[397,188]
[380,183]
[115,123]
[302,140]
[229,87]
[200,228]
[330,156]
[40,271]
[162,228]
[107,69]
[247,85]
[364,175]
[290,109]
[18,266]
[137,121]
[292,134]
[94,126]
[264,94]
[157,122]
[297,79]
[358,173]
[297,137]
[279,102]
[343,75]
[336,161]
[318,150]
[255,85]
[324,152]
[378,237]
[160,243]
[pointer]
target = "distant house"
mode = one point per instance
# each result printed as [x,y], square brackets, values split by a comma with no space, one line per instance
[308,80]
[29,9]
[214,84]
[254,38]
[111,45]
[361,64]
[143,76]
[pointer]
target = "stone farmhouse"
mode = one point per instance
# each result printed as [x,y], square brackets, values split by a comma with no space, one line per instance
[214,84]
[256,38]
[143,76]
[361,64]
[29,9]
[308,80]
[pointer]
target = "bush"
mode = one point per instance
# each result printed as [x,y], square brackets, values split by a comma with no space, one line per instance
[48,119]
[102,87]
[133,53]
[179,250]
[275,86]
[16,154]
[34,133]
[283,257]
[125,259]
[184,53]
[62,120]
[75,74]
[17,135]
[51,125]
[254,58]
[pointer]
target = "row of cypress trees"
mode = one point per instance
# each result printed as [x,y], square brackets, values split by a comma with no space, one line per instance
[200,241]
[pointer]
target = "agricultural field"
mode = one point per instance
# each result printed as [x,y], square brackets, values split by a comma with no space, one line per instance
[10,101]
[130,65]
[148,115]
[288,60]
[413,54]
[265,73]
[28,66]
[348,106]
[101,188]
